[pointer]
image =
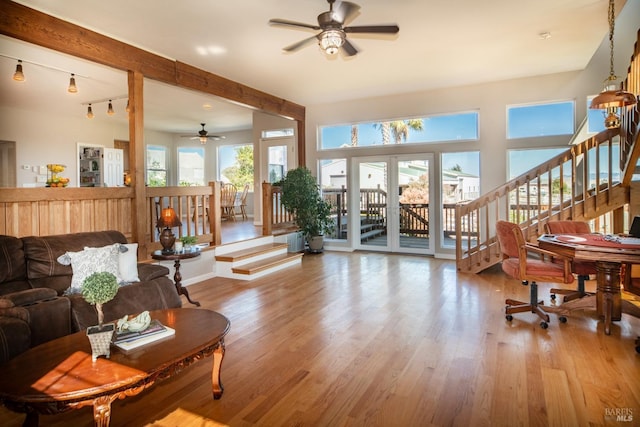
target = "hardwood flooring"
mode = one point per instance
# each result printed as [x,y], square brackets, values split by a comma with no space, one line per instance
[370,339]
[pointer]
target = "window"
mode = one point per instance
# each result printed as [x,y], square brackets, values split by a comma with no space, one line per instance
[530,121]
[277,133]
[440,128]
[460,181]
[235,165]
[156,166]
[190,166]
[595,118]
[521,161]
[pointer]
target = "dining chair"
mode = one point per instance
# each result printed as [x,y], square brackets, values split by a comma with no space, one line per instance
[242,202]
[517,264]
[583,269]
[228,193]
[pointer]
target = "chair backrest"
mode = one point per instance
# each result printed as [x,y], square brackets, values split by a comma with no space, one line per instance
[567,227]
[228,194]
[511,239]
[243,197]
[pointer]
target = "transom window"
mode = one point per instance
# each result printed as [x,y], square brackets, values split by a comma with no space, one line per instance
[430,129]
[531,121]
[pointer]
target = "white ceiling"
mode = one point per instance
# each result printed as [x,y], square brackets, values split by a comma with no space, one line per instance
[440,44]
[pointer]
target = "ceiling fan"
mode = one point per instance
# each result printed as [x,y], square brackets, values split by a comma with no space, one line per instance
[333,34]
[204,136]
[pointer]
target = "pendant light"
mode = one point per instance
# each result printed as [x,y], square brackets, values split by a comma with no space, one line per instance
[89,112]
[18,75]
[612,97]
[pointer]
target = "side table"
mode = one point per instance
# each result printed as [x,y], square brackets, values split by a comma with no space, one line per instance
[177,277]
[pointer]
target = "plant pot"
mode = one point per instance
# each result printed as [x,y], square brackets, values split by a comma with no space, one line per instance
[100,339]
[316,244]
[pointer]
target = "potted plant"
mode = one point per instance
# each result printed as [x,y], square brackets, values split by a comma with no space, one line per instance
[301,197]
[188,241]
[97,289]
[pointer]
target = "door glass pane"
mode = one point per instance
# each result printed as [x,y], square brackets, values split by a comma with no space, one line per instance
[413,204]
[277,167]
[333,182]
[373,203]
[460,177]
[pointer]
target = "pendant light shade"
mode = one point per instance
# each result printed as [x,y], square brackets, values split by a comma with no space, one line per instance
[18,75]
[612,97]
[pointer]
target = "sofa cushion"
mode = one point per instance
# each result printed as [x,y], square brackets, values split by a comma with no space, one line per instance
[42,252]
[13,269]
[128,263]
[93,260]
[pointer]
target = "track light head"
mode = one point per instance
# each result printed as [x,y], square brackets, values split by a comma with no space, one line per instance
[72,84]
[89,112]
[18,75]
[110,109]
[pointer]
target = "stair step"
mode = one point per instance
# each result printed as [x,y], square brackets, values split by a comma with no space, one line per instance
[251,252]
[267,263]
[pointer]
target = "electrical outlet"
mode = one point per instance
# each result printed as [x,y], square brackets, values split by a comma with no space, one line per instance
[26,167]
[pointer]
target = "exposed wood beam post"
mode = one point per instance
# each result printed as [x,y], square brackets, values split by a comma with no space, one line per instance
[136,161]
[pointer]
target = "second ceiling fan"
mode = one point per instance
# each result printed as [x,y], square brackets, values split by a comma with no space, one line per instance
[204,136]
[333,33]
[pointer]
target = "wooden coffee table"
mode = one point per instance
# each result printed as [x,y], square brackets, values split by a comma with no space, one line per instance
[59,375]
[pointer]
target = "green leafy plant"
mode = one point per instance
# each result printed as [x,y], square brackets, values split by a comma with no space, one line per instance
[100,288]
[301,197]
[188,240]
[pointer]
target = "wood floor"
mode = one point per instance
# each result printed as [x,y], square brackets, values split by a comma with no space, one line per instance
[368,339]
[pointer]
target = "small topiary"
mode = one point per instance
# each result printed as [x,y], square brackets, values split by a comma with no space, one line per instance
[98,289]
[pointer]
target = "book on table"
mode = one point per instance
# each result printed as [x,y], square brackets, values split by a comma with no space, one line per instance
[154,332]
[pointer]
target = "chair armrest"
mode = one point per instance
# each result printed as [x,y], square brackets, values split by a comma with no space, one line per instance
[30,296]
[543,252]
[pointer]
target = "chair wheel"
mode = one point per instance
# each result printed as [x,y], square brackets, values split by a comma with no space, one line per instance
[544,325]
[509,317]
[562,319]
[553,297]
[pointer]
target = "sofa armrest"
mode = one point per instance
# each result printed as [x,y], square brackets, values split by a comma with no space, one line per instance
[30,296]
[16,313]
[148,272]
[15,337]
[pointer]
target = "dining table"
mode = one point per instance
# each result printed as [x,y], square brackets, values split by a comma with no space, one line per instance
[609,252]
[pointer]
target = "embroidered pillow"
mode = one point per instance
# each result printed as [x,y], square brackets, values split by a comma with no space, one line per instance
[128,263]
[89,261]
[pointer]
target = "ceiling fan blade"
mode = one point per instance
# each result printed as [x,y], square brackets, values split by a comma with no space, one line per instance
[378,29]
[300,44]
[348,48]
[292,24]
[345,12]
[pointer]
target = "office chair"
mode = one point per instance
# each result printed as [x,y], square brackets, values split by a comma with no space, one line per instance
[517,264]
[581,268]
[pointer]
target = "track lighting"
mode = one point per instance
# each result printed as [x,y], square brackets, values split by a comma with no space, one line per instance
[18,75]
[110,109]
[72,84]
[127,107]
[89,112]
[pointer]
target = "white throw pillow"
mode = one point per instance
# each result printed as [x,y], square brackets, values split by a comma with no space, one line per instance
[128,262]
[93,260]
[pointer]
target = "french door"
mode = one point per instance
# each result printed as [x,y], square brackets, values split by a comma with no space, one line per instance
[393,203]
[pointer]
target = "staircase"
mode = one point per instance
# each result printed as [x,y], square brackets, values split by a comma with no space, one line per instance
[591,179]
[250,259]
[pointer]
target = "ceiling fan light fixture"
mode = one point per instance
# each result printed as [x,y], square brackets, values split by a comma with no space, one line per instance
[612,97]
[18,75]
[72,84]
[331,41]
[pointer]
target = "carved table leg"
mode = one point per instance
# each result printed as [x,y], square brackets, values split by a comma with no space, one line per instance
[177,278]
[102,411]
[608,296]
[216,383]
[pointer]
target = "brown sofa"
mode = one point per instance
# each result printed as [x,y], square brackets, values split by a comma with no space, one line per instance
[33,305]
